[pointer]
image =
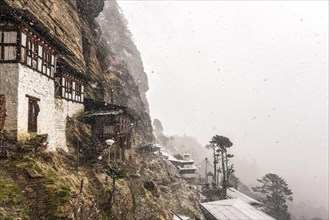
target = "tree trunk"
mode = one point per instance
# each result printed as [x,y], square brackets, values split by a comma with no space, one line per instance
[224,176]
[206,173]
[111,199]
[227,173]
[215,170]
[113,189]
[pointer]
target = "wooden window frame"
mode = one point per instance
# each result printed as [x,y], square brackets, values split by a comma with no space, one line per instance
[46,64]
[78,89]
[123,124]
[23,48]
[3,45]
[70,88]
[34,52]
[68,85]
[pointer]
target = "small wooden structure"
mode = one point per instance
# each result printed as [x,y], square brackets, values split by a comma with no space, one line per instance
[109,121]
[186,168]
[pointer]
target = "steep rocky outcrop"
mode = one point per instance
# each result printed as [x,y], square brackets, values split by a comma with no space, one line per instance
[62,185]
[119,39]
[90,9]
[59,21]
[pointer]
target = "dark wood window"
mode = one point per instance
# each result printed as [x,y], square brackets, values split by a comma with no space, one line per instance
[123,124]
[48,67]
[78,91]
[20,44]
[41,58]
[23,48]
[69,87]
[32,53]
[33,112]
[8,44]
[37,54]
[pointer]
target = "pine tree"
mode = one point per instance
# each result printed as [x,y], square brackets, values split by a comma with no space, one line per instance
[115,171]
[220,145]
[276,193]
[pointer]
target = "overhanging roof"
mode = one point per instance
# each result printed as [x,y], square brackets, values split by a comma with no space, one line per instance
[101,113]
[186,161]
[99,105]
[187,168]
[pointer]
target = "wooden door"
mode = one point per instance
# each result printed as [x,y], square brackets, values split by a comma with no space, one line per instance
[33,115]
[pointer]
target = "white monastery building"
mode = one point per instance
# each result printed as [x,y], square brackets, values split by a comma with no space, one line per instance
[37,91]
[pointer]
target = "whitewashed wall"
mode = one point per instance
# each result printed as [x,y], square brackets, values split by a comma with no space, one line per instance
[8,87]
[17,81]
[64,109]
[39,86]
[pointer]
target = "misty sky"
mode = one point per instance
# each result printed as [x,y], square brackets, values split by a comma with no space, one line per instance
[254,71]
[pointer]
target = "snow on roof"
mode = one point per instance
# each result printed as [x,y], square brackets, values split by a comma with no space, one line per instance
[173,159]
[234,209]
[187,168]
[159,145]
[233,193]
[169,157]
[179,217]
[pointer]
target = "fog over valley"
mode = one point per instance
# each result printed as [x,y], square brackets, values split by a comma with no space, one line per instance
[254,71]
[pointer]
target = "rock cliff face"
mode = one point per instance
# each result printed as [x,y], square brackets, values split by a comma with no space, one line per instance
[114,29]
[60,185]
[59,20]
[71,27]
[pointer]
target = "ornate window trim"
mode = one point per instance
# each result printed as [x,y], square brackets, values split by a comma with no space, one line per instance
[69,87]
[20,44]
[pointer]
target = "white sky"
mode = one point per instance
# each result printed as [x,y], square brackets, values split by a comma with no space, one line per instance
[254,71]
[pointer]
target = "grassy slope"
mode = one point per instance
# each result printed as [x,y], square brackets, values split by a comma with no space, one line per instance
[47,186]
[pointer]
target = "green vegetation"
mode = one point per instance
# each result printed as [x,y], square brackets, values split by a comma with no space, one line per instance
[37,177]
[115,171]
[65,191]
[9,194]
[11,198]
